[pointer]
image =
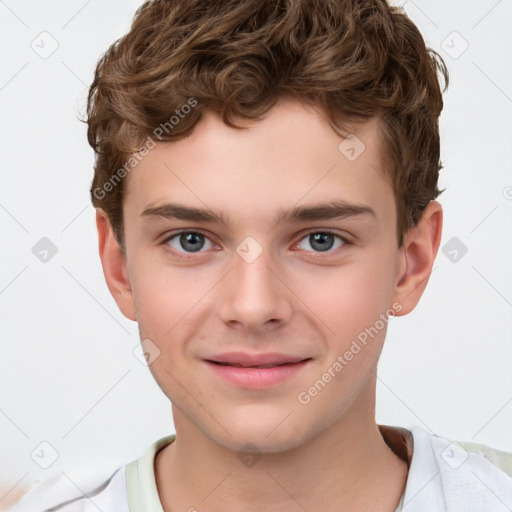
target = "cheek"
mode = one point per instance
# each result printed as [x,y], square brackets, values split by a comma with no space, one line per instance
[351,298]
[164,301]
[165,296]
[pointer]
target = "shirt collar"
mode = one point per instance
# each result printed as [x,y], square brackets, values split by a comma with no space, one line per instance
[421,493]
[140,479]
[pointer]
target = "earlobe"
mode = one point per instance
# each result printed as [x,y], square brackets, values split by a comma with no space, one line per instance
[114,266]
[417,256]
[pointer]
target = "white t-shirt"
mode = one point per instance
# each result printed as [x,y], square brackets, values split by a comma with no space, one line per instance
[444,476]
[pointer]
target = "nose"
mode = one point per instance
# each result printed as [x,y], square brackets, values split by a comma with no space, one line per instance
[255,296]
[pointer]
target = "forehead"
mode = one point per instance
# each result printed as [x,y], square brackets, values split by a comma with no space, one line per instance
[292,156]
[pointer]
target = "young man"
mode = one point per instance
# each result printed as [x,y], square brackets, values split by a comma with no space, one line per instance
[265,188]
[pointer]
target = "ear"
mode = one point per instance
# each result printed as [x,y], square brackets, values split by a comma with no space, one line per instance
[114,265]
[417,256]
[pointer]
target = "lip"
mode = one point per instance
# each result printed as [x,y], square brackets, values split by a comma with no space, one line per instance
[246,359]
[246,376]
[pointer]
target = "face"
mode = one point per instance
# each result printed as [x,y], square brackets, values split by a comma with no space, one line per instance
[298,273]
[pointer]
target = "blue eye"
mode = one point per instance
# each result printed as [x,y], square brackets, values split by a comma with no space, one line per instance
[323,241]
[187,241]
[184,243]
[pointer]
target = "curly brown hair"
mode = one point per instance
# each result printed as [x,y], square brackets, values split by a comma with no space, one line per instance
[357,60]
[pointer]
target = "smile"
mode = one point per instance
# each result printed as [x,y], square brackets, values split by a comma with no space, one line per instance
[256,376]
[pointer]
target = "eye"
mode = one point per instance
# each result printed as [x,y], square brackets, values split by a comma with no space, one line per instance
[184,243]
[187,242]
[322,241]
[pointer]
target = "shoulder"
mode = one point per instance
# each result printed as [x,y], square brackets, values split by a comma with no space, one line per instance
[86,494]
[97,489]
[498,458]
[459,475]
[456,454]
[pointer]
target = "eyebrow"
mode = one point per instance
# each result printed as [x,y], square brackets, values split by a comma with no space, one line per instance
[325,211]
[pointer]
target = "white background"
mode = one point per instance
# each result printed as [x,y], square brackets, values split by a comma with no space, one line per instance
[68,375]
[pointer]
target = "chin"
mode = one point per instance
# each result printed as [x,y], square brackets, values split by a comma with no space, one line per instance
[264,435]
[259,442]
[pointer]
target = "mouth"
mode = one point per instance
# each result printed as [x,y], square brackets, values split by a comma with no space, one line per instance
[248,360]
[238,365]
[261,371]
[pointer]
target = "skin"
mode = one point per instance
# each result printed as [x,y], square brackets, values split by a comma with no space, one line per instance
[293,298]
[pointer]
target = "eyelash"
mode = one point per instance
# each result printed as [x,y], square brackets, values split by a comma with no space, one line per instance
[181,255]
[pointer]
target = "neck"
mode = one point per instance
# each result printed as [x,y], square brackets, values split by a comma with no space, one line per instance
[348,467]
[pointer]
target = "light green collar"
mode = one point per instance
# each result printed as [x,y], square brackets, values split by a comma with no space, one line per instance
[141,484]
[140,479]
